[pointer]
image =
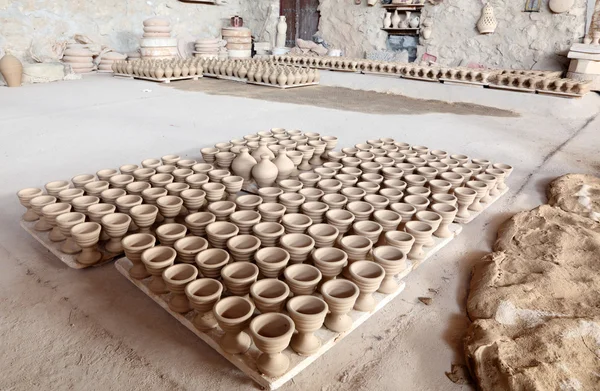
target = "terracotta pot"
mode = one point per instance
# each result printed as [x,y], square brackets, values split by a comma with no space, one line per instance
[340,296]
[448,213]
[269,295]
[248,202]
[291,201]
[361,210]
[271,261]
[220,232]
[302,279]
[37,203]
[86,235]
[202,295]
[25,196]
[324,235]
[272,334]
[12,70]
[465,198]
[115,225]
[50,213]
[197,222]
[176,278]
[214,191]
[308,313]
[422,232]
[448,199]
[315,210]
[357,248]
[222,209]
[188,247]
[239,276]
[65,222]
[156,260]
[168,234]
[330,261]
[393,261]
[243,247]
[271,211]
[481,189]
[368,276]
[311,194]
[298,246]
[211,261]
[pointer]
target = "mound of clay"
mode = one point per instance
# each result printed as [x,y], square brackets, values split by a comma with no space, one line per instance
[576,193]
[535,301]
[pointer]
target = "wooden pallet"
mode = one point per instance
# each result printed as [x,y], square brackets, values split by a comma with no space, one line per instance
[463,82]
[161,80]
[232,78]
[283,87]
[474,215]
[54,248]
[247,362]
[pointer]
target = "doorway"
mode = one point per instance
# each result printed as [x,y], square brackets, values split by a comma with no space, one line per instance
[302,18]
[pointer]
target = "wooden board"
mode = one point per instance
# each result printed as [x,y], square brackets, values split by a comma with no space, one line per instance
[559,94]
[54,248]
[463,82]
[508,88]
[162,80]
[232,78]
[474,215]
[284,87]
[403,7]
[247,362]
[420,78]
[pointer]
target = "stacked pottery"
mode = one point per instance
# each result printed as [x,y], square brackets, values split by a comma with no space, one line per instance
[208,47]
[108,59]
[239,41]
[79,58]
[156,43]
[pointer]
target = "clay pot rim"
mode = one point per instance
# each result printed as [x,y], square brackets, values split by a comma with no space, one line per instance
[204,282]
[187,162]
[86,200]
[70,218]
[333,214]
[481,161]
[363,146]
[110,193]
[416,200]
[364,155]
[209,254]
[89,228]
[438,165]
[56,208]
[429,170]
[367,185]
[292,197]
[368,226]
[290,183]
[415,178]
[291,241]
[329,183]
[387,215]
[312,191]
[443,197]
[197,242]
[392,170]
[346,177]
[121,178]
[163,251]
[258,229]
[321,228]
[169,272]
[190,219]
[309,177]
[334,198]
[371,165]
[396,192]
[161,177]
[325,170]
[376,198]
[418,190]
[219,172]
[137,186]
[476,185]
[107,171]
[131,200]
[263,320]
[384,159]
[45,199]
[269,191]
[473,166]
[222,206]
[317,257]
[502,166]
[419,226]
[254,216]
[315,207]
[399,236]
[361,207]
[192,194]
[448,208]
[294,154]
[230,228]
[174,229]
[183,171]
[440,183]
[82,177]
[367,244]
[233,243]
[69,192]
[350,149]
[450,162]
[462,190]
[244,200]
[485,178]
[170,157]
[240,266]
[212,186]
[260,255]
[295,217]
[232,179]
[96,209]
[54,185]
[116,219]
[356,190]
[379,254]
[151,161]
[202,167]
[296,301]
[196,178]
[363,266]
[269,282]
[271,207]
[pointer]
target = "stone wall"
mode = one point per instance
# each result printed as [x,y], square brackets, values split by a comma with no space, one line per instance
[522,40]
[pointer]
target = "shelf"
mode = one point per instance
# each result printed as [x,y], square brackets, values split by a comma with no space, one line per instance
[402,31]
[403,7]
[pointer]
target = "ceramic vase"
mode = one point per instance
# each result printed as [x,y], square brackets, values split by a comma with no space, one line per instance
[202,295]
[156,260]
[281,32]
[308,313]
[265,172]
[211,261]
[269,295]
[233,315]
[272,334]
[134,245]
[86,235]
[487,22]
[367,276]
[176,278]
[284,165]
[340,296]
[393,261]
[395,19]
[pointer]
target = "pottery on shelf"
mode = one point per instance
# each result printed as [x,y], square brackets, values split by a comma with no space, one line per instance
[368,276]
[308,313]
[168,234]
[115,225]
[269,295]
[401,240]
[86,235]
[197,222]
[188,247]
[202,295]
[233,315]
[211,261]
[302,279]
[340,296]
[156,260]
[431,218]
[176,278]
[25,197]
[272,333]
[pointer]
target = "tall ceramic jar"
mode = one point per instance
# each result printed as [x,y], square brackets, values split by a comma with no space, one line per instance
[265,172]
[284,165]
[262,150]
[281,32]
[12,70]
[395,20]
[242,164]
[387,21]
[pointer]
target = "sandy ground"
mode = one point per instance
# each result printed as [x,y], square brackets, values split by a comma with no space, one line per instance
[92,329]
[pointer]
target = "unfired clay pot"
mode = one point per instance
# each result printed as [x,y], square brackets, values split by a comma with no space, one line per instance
[265,172]
[233,315]
[433,219]
[269,194]
[12,70]
[176,277]
[269,295]
[37,203]
[465,198]
[115,225]
[340,296]
[248,202]
[222,209]
[308,313]
[25,196]
[243,163]
[291,201]
[422,232]
[324,235]
[203,294]
[272,334]
[271,211]
[211,261]
[302,279]
[368,229]
[197,222]
[188,247]
[361,210]
[168,234]
[367,276]
[315,210]
[239,276]
[298,246]
[341,219]
[393,261]
[271,261]
[268,233]
[330,261]
[448,213]
[144,216]
[243,247]
[134,245]
[169,207]
[220,232]
[357,248]
[65,222]
[86,235]
[156,260]
[50,213]
[245,220]
[481,190]
[401,240]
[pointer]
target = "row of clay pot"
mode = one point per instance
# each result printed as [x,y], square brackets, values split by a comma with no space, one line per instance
[158,68]
[539,83]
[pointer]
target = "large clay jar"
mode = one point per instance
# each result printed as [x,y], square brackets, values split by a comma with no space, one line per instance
[176,277]
[233,315]
[308,313]
[156,260]
[272,334]
[340,295]
[271,261]
[284,165]
[12,70]
[367,276]
[393,261]
[269,295]
[203,294]
[86,235]
[302,279]
[134,245]
[265,172]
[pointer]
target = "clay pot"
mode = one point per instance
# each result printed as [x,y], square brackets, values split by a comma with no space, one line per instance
[324,235]
[455,180]
[196,181]
[202,168]
[120,181]
[243,163]
[161,180]
[448,199]
[37,203]
[395,184]
[110,196]
[315,210]
[115,225]
[361,210]
[220,232]
[347,180]
[499,175]
[422,232]
[170,160]
[176,278]
[340,296]
[233,315]
[448,213]
[311,194]
[188,247]
[136,188]
[222,209]
[507,171]
[308,313]
[290,185]
[335,201]
[368,229]
[465,198]
[224,159]
[302,279]
[214,191]
[271,212]
[181,174]
[271,261]
[272,334]
[124,205]
[193,199]
[169,233]
[243,247]
[401,240]
[86,235]
[284,165]
[298,246]
[25,196]
[268,233]
[79,181]
[420,203]
[296,223]
[439,186]
[481,190]
[433,219]
[389,220]
[269,295]
[368,276]
[239,276]
[490,181]
[65,222]
[245,220]
[197,222]
[94,189]
[12,70]
[291,201]
[248,202]
[157,260]
[393,261]
[202,295]
[356,247]
[464,172]
[151,163]
[55,187]
[233,185]
[379,202]
[265,172]
[330,261]
[324,173]
[270,194]
[50,213]
[368,187]
[340,219]
[211,261]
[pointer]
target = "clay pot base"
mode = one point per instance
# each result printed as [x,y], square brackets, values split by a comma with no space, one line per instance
[30,215]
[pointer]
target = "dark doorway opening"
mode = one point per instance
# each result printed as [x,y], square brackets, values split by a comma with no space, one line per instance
[302,18]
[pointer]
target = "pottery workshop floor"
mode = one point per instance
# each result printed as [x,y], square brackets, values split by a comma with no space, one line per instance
[92,329]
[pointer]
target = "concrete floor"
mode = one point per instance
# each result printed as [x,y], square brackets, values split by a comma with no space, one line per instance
[92,329]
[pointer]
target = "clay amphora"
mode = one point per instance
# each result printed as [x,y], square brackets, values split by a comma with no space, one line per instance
[188,247]
[50,213]
[211,261]
[284,165]
[393,261]
[422,232]
[156,260]
[86,235]
[176,278]
[308,313]
[269,295]
[340,296]
[12,70]
[233,315]
[134,245]
[203,294]
[37,203]
[302,279]
[265,172]
[272,334]
[367,276]
[298,246]
[465,198]
[115,225]
[25,196]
